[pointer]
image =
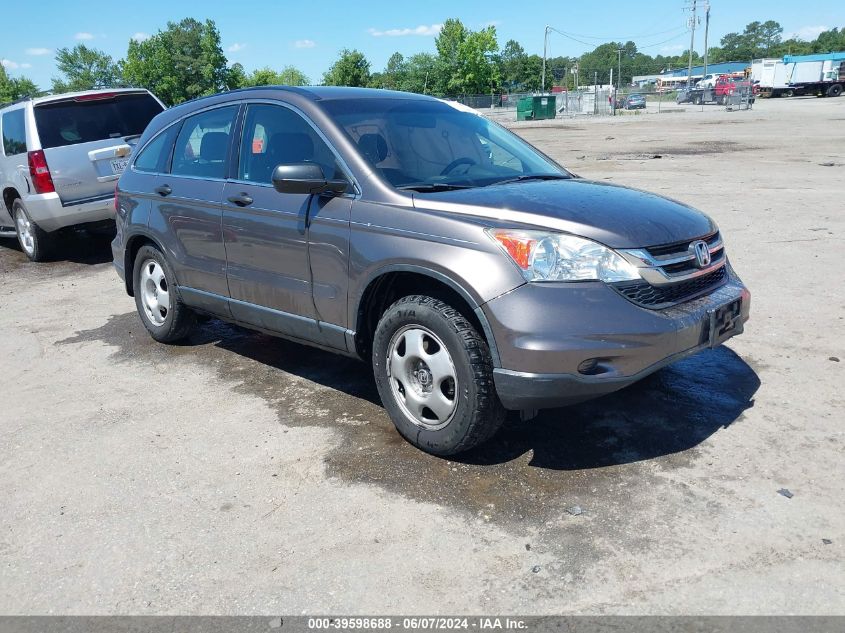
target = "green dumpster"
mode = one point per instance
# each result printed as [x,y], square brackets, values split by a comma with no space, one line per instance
[535,108]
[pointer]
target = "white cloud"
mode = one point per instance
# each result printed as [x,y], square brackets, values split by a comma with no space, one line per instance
[675,48]
[807,33]
[237,46]
[305,43]
[491,23]
[26,65]
[140,36]
[38,51]
[8,63]
[83,36]
[423,29]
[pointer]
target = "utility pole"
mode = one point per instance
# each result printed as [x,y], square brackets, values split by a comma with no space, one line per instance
[693,4]
[619,70]
[545,50]
[706,33]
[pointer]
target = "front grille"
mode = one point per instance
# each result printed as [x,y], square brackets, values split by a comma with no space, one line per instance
[655,297]
[680,248]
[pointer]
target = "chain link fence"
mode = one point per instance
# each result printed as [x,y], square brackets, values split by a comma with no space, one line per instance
[606,101]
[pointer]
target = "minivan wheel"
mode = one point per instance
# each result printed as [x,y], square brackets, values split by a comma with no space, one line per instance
[35,242]
[435,376]
[164,315]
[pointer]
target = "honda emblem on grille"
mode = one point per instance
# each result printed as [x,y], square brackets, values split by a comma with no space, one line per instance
[701,252]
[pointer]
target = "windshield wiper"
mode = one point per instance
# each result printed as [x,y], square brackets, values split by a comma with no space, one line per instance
[526,177]
[433,187]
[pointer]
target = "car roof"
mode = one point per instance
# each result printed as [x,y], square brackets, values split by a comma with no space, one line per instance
[328,93]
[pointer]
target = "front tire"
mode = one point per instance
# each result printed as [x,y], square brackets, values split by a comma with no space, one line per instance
[35,242]
[162,312]
[434,374]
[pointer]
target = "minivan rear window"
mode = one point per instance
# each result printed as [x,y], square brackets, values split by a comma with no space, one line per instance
[82,121]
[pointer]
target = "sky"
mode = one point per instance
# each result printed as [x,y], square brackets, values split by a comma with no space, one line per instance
[309,35]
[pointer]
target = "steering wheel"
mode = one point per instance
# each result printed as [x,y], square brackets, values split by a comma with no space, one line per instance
[457,163]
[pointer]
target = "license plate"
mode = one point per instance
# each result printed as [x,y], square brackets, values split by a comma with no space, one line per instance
[118,165]
[725,322]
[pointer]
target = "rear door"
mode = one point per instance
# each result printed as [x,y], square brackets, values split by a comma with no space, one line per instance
[87,140]
[186,211]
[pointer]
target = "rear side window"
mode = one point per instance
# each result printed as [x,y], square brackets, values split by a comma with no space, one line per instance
[14,132]
[153,158]
[203,143]
[86,119]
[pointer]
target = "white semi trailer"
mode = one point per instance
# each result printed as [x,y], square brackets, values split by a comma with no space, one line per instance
[822,75]
[770,75]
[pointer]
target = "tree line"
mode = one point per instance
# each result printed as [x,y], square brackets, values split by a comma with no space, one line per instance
[186,60]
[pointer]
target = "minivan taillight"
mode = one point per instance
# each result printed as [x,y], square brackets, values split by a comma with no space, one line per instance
[41,178]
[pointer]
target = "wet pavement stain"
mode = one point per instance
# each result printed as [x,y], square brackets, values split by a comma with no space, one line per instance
[531,471]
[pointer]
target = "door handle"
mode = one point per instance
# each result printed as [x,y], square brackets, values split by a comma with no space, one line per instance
[241,199]
[163,190]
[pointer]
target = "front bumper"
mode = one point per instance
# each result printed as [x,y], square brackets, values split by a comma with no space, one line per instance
[544,332]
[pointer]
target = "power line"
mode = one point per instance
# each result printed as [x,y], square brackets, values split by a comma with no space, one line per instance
[608,38]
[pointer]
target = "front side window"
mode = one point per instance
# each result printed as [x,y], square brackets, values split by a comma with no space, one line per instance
[14,132]
[203,143]
[416,143]
[275,135]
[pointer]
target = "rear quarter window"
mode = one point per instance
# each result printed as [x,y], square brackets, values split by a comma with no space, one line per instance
[155,155]
[82,121]
[14,132]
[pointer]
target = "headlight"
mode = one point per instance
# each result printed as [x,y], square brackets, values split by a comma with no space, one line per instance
[545,256]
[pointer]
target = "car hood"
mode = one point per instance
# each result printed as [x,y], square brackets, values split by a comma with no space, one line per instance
[616,216]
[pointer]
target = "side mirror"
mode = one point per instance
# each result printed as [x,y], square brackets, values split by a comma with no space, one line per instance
[306,178]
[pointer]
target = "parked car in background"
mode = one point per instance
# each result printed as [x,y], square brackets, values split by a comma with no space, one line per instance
[473,272]
[708,81]
[635,102]
[61,157]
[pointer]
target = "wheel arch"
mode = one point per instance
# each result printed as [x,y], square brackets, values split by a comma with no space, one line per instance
[10,194]
[386,285]
[130,252]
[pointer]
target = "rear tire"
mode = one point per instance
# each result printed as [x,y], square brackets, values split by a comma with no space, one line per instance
[434,374]
[162,312]
[835,90]
[35,242]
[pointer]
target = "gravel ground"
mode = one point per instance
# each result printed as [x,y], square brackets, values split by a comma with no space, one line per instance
[240,474]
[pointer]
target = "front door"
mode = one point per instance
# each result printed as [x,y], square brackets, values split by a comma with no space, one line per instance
[270,273]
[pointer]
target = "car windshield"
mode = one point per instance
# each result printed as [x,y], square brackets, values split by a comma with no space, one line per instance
[432,145]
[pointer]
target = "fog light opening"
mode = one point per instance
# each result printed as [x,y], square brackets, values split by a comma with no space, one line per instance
[594,366]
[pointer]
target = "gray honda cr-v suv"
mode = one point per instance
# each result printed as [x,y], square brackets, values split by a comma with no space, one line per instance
[475,273]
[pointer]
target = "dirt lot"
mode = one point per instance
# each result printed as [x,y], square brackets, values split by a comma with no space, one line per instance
[241,474]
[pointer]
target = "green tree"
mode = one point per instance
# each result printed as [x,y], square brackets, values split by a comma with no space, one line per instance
[14,88]
[393,77]
[512,62]
[236,77]
[829,41]
[288,76]
[182,62]
[84,68]
[447,76]
[351,69]
[419,73]
[467,61]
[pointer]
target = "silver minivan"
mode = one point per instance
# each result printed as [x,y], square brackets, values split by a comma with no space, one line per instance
[60,158]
